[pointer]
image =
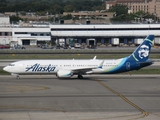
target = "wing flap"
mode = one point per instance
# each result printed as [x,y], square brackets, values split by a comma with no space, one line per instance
[86,69]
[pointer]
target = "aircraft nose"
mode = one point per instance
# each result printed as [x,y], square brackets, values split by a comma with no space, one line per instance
[5,69]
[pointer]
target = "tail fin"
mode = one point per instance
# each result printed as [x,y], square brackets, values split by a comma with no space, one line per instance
[142,52]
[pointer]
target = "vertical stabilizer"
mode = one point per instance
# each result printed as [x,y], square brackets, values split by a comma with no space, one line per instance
[142,52]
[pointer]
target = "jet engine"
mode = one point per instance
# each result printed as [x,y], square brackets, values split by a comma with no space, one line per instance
[64,74]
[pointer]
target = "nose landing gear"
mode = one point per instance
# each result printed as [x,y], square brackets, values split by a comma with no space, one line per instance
[17,76]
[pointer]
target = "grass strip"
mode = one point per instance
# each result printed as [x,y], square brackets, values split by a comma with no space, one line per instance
[2,72]
[69,56]
[145,71]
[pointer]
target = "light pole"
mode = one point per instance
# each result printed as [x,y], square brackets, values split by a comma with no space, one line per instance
[135,19]
[155,17]
[4,41]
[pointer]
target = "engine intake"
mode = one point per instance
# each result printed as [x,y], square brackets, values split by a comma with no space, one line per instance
[64,74]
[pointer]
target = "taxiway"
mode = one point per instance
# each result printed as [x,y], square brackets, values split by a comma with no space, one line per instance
[116,97]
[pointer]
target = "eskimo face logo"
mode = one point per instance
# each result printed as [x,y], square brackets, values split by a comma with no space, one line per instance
[143,51]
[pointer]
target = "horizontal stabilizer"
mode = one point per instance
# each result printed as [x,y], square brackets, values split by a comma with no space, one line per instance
[145,63]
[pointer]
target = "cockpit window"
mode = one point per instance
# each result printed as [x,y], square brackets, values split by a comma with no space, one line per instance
[11,64]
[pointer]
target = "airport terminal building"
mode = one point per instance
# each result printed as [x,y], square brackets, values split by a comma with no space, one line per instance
[103,33]
[32,34]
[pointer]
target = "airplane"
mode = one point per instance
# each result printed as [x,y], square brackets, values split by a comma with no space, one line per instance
[67,68]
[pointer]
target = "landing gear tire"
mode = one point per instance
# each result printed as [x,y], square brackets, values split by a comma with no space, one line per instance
[18,77]
[80,77]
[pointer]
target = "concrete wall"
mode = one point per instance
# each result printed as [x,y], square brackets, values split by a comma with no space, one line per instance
[5,35]
[4,20]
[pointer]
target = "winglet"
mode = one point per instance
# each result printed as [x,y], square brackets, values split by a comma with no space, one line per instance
[94,57]
[100,66]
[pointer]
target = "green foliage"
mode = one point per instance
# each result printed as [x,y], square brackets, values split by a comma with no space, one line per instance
[119,9]
[69,8]
[14,19]
[3,5]
[146,71]
[121,14]
[41,7]
[23,13]
[67,17]
[2,72]
[52,6]
[142,14]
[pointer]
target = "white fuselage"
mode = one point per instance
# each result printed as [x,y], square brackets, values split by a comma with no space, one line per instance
[52,66]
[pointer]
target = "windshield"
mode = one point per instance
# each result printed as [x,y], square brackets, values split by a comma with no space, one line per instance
[11,65]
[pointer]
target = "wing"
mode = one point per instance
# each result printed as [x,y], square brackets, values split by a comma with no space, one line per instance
[84,70]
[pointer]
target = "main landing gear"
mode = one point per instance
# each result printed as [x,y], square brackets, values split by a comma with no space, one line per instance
[80,76]
[17,77]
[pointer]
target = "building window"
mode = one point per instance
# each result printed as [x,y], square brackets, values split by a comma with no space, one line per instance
[33,34]
[155,8]
[6,33]
[21,33]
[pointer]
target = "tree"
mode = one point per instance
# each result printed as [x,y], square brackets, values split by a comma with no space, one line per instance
[52,6]
[58,9]
[67,17]
[14,19]
[144,16]
[121,13]
[3,5]
[119,9]
[23,13]
[69,8]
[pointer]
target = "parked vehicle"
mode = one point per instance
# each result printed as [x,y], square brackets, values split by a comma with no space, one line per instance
[60,41]
[20,47]
[70,42]
[46,46]
[4,46]
[17,47]
[91,43]
[77,45]
[58,47]
[138,41]
[157,41]
[39,45]
[115,41]
[65,46]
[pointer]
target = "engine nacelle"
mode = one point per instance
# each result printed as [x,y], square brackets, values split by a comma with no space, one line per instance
[64,73]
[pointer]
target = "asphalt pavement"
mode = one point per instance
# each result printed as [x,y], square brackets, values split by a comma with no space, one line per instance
[116,97]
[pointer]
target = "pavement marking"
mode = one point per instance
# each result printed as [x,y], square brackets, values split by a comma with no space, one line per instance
[22,88]
[145,114]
